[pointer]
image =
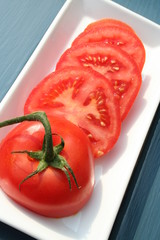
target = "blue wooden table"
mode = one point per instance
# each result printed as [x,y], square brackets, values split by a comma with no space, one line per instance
[22,25]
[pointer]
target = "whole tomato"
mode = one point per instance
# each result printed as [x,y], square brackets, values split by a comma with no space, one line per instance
[52,190]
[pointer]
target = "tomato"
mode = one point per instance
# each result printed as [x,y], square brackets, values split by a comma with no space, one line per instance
[85,98]
[47,193]
[115,35]
[116,65]
[108,22]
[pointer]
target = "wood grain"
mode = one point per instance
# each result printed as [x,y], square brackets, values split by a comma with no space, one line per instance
[22,25]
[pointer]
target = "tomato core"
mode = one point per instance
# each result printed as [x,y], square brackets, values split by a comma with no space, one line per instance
[83,97]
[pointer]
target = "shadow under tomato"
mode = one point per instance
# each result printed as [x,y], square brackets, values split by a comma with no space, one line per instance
[77,226]
[138,106]
[110,159]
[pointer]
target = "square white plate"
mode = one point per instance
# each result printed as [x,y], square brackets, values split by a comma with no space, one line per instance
[114,170]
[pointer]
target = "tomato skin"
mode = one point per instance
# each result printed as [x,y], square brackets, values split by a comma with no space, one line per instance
[114,35]
[108,22]
[84,97]
[47,193]
[113,63]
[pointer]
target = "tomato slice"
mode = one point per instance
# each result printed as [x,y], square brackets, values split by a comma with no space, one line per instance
[85,98]
[114,35]
[108,22]
[116,65]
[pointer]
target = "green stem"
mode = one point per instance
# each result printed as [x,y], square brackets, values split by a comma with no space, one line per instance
[37,116]
[49,155]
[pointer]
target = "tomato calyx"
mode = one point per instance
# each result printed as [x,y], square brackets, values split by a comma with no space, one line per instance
[49,155]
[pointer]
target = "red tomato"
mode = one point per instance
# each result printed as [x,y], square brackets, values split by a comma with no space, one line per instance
[116,65]
[108,22]
[85,98]
[126,40]
[47,193]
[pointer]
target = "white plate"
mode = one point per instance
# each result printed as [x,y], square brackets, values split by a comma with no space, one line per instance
[114,170]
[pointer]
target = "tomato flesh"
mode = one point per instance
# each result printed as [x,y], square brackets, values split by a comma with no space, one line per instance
[85,98]
[124,39]
[112,62]
[47,193]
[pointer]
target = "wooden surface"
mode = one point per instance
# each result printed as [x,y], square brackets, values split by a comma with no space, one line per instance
[22,25]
